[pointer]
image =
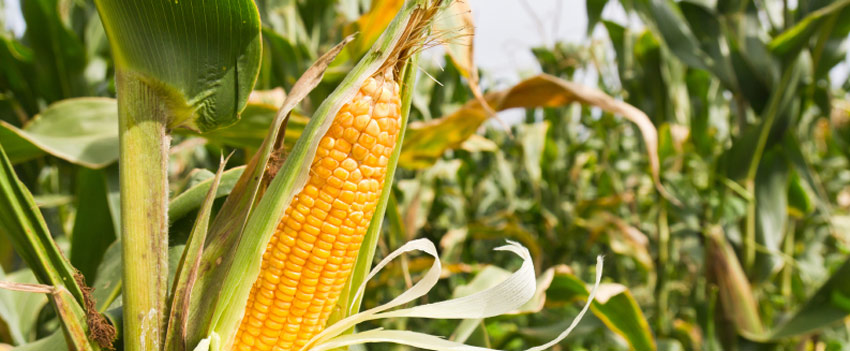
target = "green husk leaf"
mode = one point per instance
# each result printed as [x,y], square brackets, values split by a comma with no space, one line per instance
[187,271]
[189,200]
[735,292]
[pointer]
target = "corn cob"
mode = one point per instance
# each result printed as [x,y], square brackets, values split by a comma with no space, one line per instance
[310,256]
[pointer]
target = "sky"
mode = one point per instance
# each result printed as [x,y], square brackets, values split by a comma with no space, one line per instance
[13,18]
[506,30]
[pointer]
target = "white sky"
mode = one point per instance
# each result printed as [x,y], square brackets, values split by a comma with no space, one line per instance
[12,17]
[507,29]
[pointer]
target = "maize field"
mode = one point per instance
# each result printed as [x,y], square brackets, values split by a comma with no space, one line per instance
[312,175]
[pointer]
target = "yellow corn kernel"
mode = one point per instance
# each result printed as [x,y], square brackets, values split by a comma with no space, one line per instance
[346,119]
[342,145]
[367,140]
[358,152]
[341,173]
[348,186]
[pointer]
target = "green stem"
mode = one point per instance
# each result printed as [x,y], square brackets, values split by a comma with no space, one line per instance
[788,271]
[143,155]
[786,11]
[663,270]
[750,229]
[784,91]
[825,34]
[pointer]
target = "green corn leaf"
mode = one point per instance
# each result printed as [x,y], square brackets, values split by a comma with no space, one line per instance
[793,39]
[54,342]
[15,71]
[19,311]
[94,229]
[22,222]
[614,305]
[83,131]
[253,127]
[71,315]
[771,211]
[594,13]
[677,34]
[59,56]
[18,148]
[107,285]
[200,57]
[830,304]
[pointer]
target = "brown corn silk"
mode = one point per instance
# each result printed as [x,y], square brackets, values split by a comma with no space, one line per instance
[311,254]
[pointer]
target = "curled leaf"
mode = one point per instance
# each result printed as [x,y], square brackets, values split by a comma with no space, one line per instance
[508,295]
[427,141]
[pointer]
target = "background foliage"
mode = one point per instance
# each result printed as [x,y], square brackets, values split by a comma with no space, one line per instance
[748,251]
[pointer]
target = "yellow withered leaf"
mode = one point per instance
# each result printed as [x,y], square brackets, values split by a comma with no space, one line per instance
[425,142]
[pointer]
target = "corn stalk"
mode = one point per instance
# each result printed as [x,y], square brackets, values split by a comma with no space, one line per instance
[177,65]
[144,195]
